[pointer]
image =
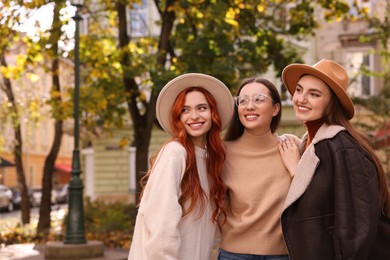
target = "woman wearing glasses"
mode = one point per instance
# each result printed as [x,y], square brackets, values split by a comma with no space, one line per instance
[257,180]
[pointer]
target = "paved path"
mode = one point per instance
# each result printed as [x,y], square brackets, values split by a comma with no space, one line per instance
[36,252]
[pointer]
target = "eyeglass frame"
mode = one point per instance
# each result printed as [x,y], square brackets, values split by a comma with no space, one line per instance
[254,96]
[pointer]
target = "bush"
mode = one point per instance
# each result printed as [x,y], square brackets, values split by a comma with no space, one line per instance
[111,223]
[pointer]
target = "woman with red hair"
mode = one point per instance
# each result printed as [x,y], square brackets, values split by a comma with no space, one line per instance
[184,194]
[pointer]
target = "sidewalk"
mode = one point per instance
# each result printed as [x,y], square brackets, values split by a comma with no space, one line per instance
[36,252]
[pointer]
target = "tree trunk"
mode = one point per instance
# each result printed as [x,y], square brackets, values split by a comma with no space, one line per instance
[18,152]
[47,177]
[47,180]
[143,123]
[25,203]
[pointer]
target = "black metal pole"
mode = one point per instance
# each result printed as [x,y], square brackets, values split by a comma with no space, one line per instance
[75,233]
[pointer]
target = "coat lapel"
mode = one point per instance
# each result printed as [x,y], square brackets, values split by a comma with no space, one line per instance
[305,171]
[307,165]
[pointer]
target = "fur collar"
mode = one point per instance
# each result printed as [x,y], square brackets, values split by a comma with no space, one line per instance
[307,165]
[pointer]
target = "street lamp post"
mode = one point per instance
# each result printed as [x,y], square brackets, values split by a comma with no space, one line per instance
[75,223]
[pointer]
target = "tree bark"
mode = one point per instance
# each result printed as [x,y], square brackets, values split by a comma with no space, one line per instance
[47,177]
[17,150]
[142,123]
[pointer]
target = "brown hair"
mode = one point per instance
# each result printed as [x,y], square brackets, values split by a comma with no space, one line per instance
[335,115]
[236,128]
[191,189]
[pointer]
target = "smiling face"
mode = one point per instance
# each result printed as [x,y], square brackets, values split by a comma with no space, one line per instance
[311,98]
[196,117]
[257,118]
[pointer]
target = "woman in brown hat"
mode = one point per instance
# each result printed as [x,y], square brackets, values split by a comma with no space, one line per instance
[338,204]
[184,193]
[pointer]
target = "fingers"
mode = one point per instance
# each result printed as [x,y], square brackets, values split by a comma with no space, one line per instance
[284,144]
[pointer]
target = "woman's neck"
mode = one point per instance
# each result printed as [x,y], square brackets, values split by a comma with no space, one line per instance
[257,132]
[312,128]
[256,142]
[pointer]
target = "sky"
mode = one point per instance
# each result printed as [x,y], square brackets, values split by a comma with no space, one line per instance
[44,17]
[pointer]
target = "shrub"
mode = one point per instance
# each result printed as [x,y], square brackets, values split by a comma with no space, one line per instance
[111,223]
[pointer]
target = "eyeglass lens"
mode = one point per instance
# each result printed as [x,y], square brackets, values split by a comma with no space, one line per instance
[257,99]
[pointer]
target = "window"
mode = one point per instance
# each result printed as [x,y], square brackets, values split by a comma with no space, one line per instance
[361,85]
[138,26]
[364,5]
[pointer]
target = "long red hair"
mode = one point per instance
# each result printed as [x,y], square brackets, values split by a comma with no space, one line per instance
[192,192]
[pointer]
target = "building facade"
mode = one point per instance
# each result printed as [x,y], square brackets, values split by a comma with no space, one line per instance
[33,89]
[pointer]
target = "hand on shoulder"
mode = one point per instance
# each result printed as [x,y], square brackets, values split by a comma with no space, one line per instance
[289,152]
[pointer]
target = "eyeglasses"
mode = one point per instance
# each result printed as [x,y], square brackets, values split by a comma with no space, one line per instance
[257,99]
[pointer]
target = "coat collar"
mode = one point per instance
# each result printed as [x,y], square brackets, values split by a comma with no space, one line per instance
[308,163]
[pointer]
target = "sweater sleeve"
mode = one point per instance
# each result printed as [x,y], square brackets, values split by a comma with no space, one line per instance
[356,204]
[159,206]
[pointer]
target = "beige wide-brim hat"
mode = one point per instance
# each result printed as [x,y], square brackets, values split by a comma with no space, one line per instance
[328,71]
[171,90]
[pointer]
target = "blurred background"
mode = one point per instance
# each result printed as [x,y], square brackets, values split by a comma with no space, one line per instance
[128,50]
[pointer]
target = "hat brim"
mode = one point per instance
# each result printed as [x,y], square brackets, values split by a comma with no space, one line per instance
[171,90]
[292,73]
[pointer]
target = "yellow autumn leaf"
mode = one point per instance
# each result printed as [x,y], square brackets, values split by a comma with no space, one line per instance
[20,59]
[123,142]
[32,77]
[34,105]
[38,57]
[111,96]
[55,94]
[230,14]
[132,47]
[103,104]
[5,71]
[232,22]
[142,97]
[260,8]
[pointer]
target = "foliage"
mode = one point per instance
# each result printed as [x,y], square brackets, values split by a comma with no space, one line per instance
[18,106]
[19,235]
[122,74]
[111,223]
[14,232]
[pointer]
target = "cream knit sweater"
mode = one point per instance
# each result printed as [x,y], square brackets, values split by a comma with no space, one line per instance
[257,183]
[161,233]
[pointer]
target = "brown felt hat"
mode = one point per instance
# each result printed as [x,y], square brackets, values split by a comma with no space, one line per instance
[328,71]
[171,90]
